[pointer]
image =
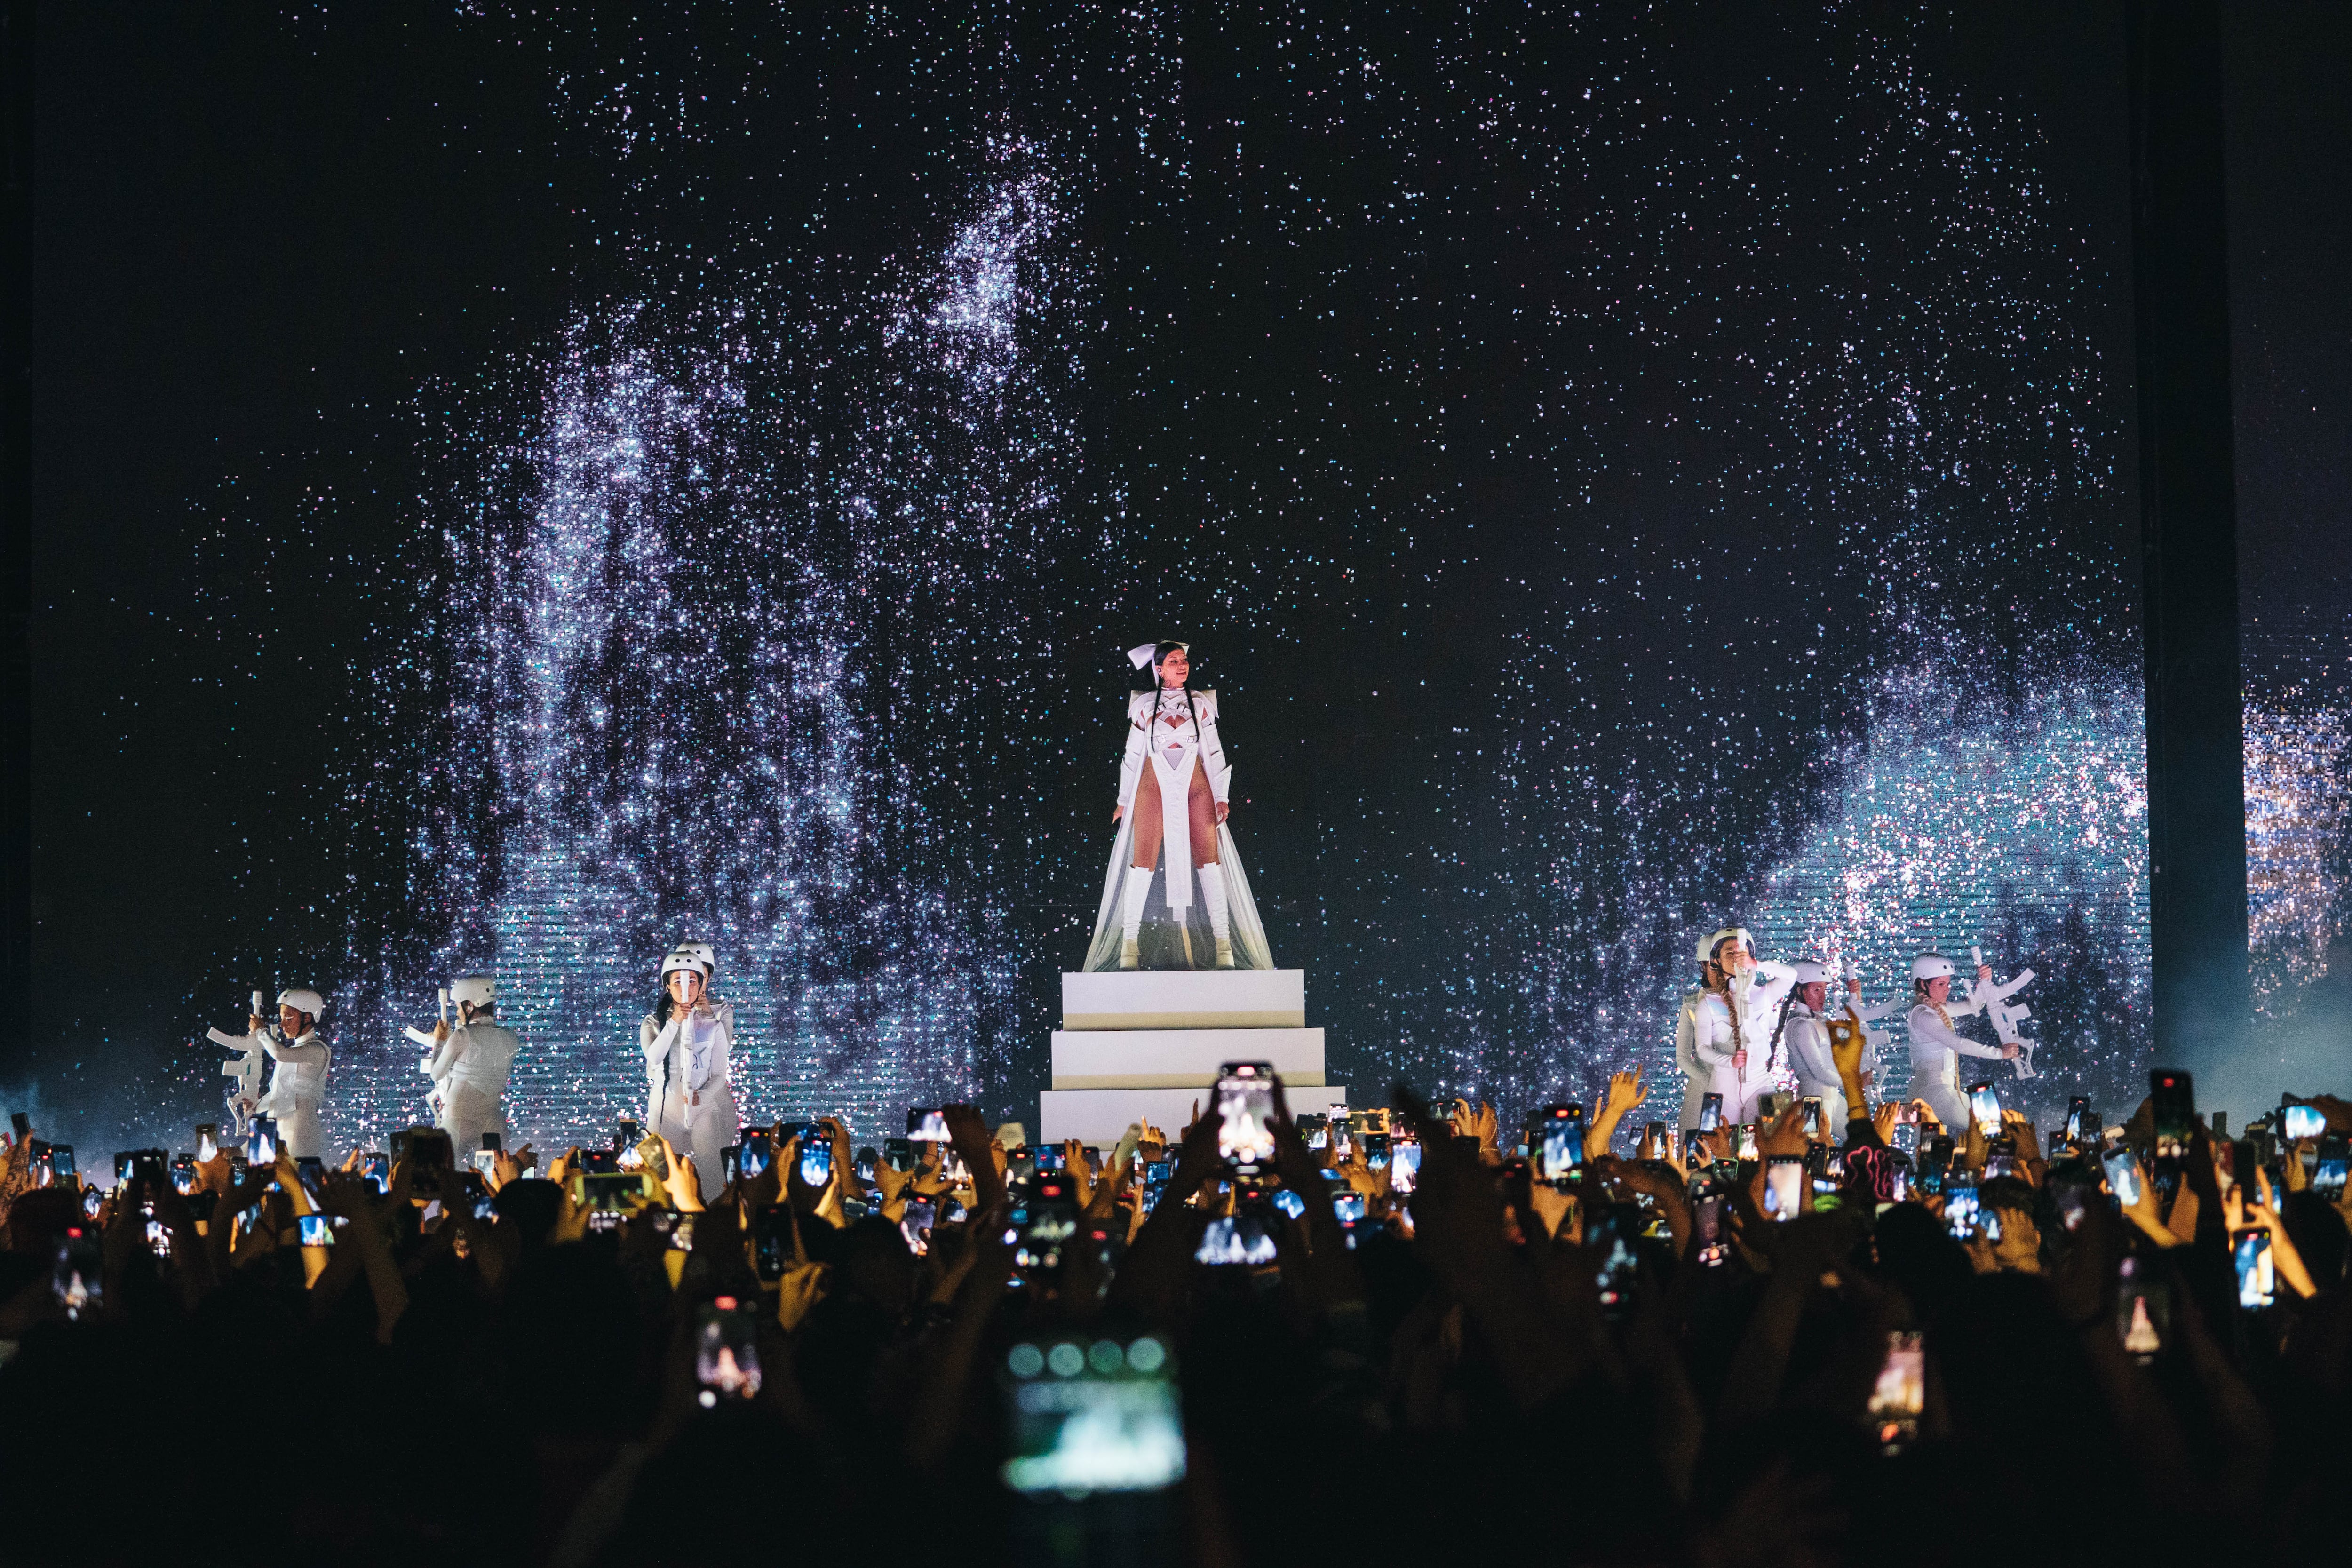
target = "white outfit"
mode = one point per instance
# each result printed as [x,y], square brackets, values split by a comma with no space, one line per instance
[1807,1042]
[690,1098]
[296,1088]
[469,1083]
[1173,732]
[244,1082]
[1741,1017]
[1936,1048]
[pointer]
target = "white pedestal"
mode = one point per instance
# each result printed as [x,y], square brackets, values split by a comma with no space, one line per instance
[1145,1045]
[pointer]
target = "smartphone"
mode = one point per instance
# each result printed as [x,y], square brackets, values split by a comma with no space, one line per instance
[2072,1200]
[207,1142]
[771,1242]
[1043,1223]
[626,1134]
[1349,1206]
[1984,1105]
[2123,1175]
[261,1142]
[1607,1232]
[1375,1150]
[2000,1157]
[1900,1395]
[755,1154]
[1244,1111]
[926,1125]
[1710,1113]
[816,1162]
[2297,1122]
[78,1274]
[2252,1252]
[2217,1123]
[1748,1148]
[2079,1120]
[1934,1161]
[1906,1137]
[1899,1179]
[1315,1129]
[915,1225]
[485,1158]
[2060,1147]
[22,1123]
[183,1173]
[1091,1415]
[1812,1111]
[2174,1100]
[1404,1165]
[92,1200]
[726,1352]
[1051,1158]
[1784,1188]
[1706,1226]
[899,1153]
[311,1172]
[611,1192]
[1656,1135]
[1365,1122]
[2143,1310]
[2334,1162]
[1960,1208]
[317,1230]
[1556,1145]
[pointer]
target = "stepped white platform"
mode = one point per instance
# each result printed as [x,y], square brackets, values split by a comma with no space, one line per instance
[1145,1045]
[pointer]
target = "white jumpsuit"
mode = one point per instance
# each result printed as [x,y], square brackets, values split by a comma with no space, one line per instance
[296,1088]
[1722,1022]
[690,1098]
[469,1083]
[1167,732]
[1807,1041]
[1936,1048]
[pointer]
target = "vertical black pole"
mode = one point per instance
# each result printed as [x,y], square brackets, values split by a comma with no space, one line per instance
[2196,780]
[15,520]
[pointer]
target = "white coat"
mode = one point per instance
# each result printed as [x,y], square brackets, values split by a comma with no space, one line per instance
[296,1088]
[1724,1022]
[469,1072]
[689,1096]
[1167,732]
[1936,1048]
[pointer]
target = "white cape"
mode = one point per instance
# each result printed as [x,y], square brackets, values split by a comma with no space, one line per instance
[1164,936]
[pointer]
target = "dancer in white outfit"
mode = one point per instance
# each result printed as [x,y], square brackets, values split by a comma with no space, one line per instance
[1937,1046]
[1697,1074]
[299,1080]
[1732,1027]
[1175,790]
[1805,1030]
[687,1040]
[469,1066]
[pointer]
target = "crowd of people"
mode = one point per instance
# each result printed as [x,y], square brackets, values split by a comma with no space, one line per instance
[1403,1330]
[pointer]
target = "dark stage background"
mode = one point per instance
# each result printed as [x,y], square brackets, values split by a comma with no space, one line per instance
[519,486]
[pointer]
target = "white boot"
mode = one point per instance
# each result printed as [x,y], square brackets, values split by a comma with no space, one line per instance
[1212,895]
[1137,891]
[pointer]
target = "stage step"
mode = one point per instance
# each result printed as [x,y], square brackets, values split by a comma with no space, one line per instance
[1185,999]
[1175,1058]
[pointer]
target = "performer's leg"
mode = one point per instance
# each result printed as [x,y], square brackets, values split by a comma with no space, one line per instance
[1148,830]
[1202,807]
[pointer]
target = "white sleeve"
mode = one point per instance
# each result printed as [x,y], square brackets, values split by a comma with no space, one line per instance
[1703,1047]
[1926,1026]
[1213,749]
[1130,762]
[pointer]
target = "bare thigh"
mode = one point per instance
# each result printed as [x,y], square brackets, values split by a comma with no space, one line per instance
[1203,807]
[1145,814]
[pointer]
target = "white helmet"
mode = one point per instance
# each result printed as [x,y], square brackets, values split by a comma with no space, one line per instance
[1812,974]
[302,999]
[1931,966]
[474,990]
[704,954]
[1726,934]
[682,958]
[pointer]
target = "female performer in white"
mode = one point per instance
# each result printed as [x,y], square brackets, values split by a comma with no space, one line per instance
[1175,791]
[686,1040]
[1937,1047]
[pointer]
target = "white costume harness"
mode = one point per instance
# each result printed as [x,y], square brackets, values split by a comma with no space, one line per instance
[1167,731]
[469,1071]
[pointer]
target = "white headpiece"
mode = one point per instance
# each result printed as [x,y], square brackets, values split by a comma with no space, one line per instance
[1812,974]
[682,958]
[302,999]
[1140,654]
[1726,934]
[1931,966]
[474,990]
[704,954]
